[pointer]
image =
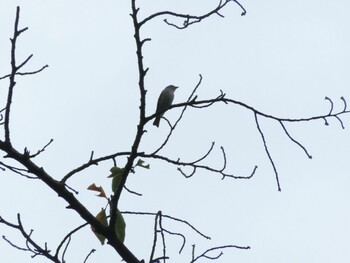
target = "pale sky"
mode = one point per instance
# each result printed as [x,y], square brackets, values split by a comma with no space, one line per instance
[282,58]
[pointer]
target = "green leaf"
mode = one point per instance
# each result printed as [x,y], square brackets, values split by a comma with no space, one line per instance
[120,226]
[115,182]
[102,218]
[142,164]
[115,171]
[116,174]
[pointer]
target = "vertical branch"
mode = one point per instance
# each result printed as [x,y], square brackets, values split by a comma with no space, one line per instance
[140,128]
[267,151]
[162,234]
[14,70]
[155,237]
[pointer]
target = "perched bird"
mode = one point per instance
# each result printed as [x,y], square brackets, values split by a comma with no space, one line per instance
[164,102]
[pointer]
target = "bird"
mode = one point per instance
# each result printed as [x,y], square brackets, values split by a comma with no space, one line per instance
[165,100]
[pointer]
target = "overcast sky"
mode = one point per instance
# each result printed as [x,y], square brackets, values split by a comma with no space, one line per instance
[282,58]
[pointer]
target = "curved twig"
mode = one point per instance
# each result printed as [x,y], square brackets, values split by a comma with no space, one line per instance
[196,166]
[93,162]
[67,237]
[345,104]
[203,255]
[192,19]
[331,102]
[88,255]
[295,141]
[180,235]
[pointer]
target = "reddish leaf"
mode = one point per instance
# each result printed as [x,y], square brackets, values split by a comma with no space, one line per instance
[99,189]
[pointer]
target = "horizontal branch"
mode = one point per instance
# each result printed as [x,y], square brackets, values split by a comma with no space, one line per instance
[204,254]
[223,99]
[195,166]
[93,162]
[191,19]
[26,73]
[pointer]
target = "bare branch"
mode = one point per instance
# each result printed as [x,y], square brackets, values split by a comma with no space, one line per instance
[205,155]
[20,171]
[41,150]
[331,102]
[344,101]
[93,162]
[90,253]
[180,235]
[169,217]
[14,69]
[340,121]
[31,245]
[267,151]
[132,192]
[196,166]
[191,19]
[24,62]
[154,237]
[65,249]
[14,245]
[162,235]
[204,254]
[295,141]
[67,237]
[26,73]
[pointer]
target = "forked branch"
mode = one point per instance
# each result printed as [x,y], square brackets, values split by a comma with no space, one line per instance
[31,246]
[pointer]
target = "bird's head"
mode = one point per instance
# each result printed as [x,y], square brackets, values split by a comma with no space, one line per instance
[172,87]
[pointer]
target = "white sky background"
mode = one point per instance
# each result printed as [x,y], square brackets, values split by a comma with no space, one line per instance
[282,58]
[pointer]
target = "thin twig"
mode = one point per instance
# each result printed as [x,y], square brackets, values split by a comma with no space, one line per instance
[190,98]
[31,245]
[20,171]
[93,162]
[197,166]
[41,150]
[67,237]
[162,235]
[26,73]
[191,19]
[88,255]
[132,192]
[203,255]
[180,235]
[295,141]
[169,217]
[267,151]
[154,236]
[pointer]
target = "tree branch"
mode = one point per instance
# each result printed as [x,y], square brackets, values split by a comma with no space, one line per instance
[204,254]
[267,151]
[31,245]
[192,19]
[26,73]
